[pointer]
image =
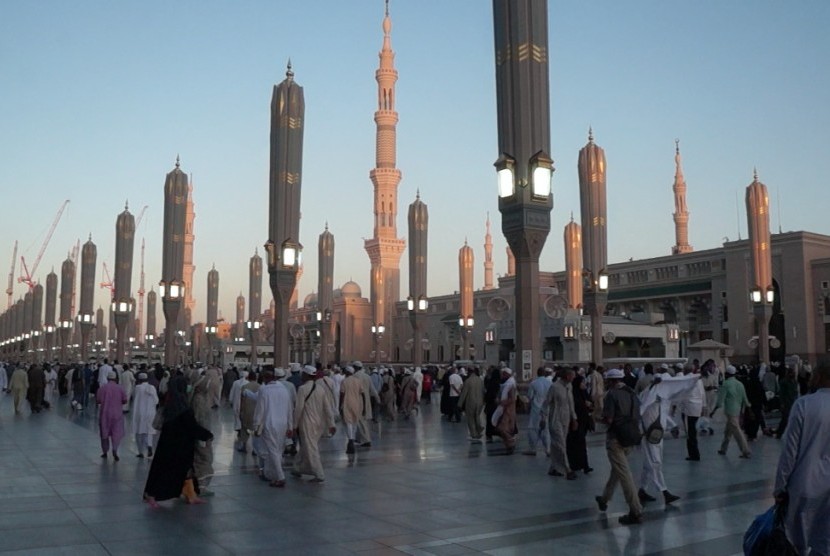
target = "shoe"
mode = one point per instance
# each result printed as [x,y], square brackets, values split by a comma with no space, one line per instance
[555,473]
[645,496]
[115,457]
[746,455]
[149,452]
[350,447]
[140,456]
[529,452]
[668,497]
[675,432]
[711,431]
[277,484]
[295,473]
[366,445]
[588,470]
[103,456]
[601,503]
[631,519]
[692,459]
[722,452]
[571,476]
[317,480]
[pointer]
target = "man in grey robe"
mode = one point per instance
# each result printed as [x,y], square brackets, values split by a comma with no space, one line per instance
[471,401]
[803,475]
[560,413]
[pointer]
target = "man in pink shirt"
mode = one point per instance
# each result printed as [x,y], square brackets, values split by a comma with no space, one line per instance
[111,398]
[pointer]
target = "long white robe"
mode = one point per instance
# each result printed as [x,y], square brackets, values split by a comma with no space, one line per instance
[313,417]
[144,408]
[804,472]
[272,417]
[656,402]
[235,397]
[128,384]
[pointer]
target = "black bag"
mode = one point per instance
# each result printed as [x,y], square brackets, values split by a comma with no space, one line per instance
[627,428]
[654,432]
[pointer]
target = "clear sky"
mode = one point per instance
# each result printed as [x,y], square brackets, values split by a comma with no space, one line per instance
[97,98]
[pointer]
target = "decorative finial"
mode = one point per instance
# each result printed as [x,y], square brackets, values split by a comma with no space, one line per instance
[177,160]
[90,236]
[572,216]
[213,266]
[465,241]
[755,173]
[418,194]
[127,204]
[327,225]
[590,134]
[677,146]
[256,251]
[387,8]
[289,73]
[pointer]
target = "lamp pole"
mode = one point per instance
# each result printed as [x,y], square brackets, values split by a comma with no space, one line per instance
[763,294]
[171,286]
[377,335]
[524,166]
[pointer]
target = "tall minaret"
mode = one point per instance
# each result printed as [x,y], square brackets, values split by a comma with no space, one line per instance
[385,248]
[189,237]
[488,257]
[681,213]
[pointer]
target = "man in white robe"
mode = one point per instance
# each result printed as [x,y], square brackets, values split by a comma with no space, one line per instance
[537,394]
[282,376]
[313,417]
[103,372]
[561,415]
[273,419]
[50,378]
[235,399]
[418,377]
[144,411]
[370,396]
[128,384]
[655,403]
[803,475]
[352,403]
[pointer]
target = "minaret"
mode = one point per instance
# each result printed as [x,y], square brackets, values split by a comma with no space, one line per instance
[573,263]
[681,212]
[385,248]
[761,287]
[325,291]
[189,237]
[488,257]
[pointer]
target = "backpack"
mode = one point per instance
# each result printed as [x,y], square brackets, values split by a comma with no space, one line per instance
[627,427]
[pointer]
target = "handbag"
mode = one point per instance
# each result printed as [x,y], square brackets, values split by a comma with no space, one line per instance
[766,535]
[158,420]
[654,432]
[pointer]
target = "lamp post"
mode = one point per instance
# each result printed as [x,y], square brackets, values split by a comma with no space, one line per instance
[86,318]
[212,309]
[416,308]
[67,287]
[285,186]
[148,344]
[763,294]
[524,167]
[172,296]
[37,321]
[324,318]
[596,299]
[377,335]
[172,286]
[762,300]
[325,279]
[466,325]
[122,304]
[253,327]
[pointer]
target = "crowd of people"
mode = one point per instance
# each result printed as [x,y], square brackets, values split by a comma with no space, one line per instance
[285,413]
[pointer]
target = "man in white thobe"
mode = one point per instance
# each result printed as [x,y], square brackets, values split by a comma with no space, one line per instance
[235,399]
[370,395]
[803,475]
[128,384]
[273,419]
[282,376]
[560,413]
[537,394]
[103,372]
[50,378]
[313,416]
[656,403]
[418,377]
[144,411]
[353,404]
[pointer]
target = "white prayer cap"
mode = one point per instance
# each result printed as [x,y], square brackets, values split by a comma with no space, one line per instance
[407,371]
[142,376]
[665,366]
[357,364]
[111,375]
[348,369]
[279,372]
[507,370]
[731,370]
[310,370]
[614,373]
[244,374]
[417,369]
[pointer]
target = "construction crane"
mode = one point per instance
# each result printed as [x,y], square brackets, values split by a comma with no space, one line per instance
[10,288]
[140,216]
[141,290]
[26,276]
[107,283]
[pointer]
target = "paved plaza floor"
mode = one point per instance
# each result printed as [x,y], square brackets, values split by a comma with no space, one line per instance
[421,489]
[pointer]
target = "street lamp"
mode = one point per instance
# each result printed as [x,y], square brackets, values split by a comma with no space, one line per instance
[762,300]
[210,331]
[283,264]
[377,333]
[253,327]
[172,293]
[466,324]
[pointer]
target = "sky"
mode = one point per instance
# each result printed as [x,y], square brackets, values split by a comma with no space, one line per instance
[98,98]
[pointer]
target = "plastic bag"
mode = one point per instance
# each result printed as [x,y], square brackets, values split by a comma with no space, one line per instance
[758,533]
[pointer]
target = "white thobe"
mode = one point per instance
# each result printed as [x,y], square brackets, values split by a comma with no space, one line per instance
[50,378]
[559,410]
[804,472]
[103,371]
[338,379]
[656,402]
[313,417]
[144,411]
[128,384]
[235,398]
[272,417]
[418,377]
[4,379]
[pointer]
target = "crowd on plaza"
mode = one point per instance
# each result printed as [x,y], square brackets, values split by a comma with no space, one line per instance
[282,414]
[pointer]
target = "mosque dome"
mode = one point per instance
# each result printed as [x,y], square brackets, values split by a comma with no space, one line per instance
[350,289]
[336,293]
[310,300]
